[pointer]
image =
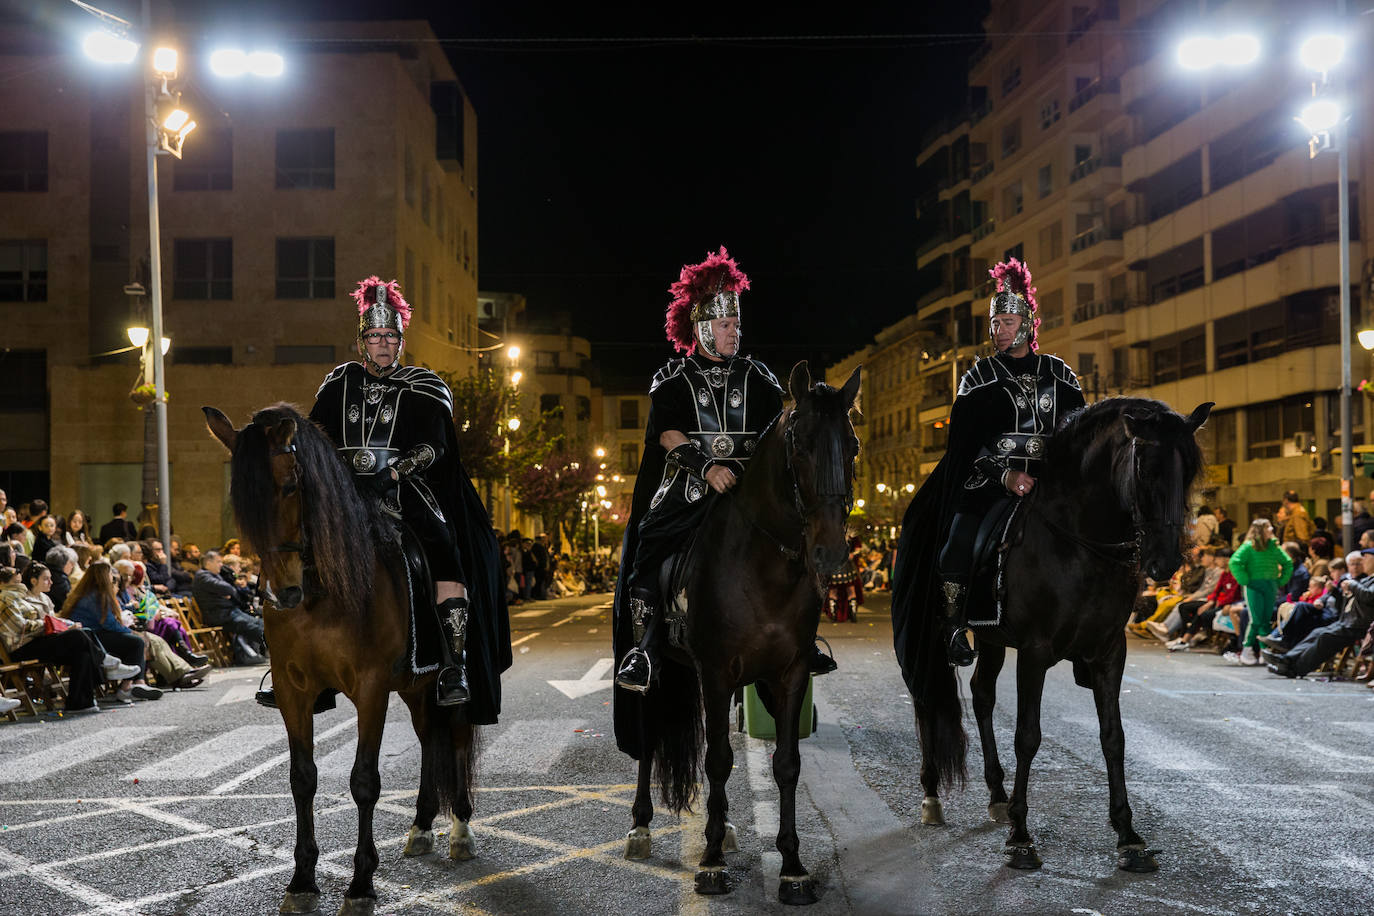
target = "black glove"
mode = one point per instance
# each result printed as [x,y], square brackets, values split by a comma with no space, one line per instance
[377,484]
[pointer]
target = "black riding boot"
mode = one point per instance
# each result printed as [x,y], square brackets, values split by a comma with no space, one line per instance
[820,662]
[637,670]
[955,630]
[452,684]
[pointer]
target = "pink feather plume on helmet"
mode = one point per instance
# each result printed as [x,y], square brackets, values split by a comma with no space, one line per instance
[697,282]
[366,297]
[1014,277]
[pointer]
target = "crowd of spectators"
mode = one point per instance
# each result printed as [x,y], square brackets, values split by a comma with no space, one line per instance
[1280,599]
[102,607]
[535,571]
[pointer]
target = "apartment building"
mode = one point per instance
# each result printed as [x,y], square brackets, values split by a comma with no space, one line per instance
[1183,241]
[361,160]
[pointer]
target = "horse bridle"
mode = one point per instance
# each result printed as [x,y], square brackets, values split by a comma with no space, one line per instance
[291,485]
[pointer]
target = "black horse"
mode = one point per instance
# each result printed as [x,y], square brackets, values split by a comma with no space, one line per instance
[754,595]
[1112,501]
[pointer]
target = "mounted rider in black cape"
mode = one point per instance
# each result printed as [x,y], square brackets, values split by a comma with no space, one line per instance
[393,426]
[1007,408]
[708,411]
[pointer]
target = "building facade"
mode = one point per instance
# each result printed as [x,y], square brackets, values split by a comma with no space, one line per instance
[361,160]
[1183,241]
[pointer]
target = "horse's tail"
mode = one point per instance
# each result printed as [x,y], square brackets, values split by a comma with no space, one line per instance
[449,753]
[673,716]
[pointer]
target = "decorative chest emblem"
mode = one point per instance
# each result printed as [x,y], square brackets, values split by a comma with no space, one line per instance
[722,446]
[750,445]
[716,377]
[1035,446]
[387,414]
[736,398]
[695,492]
[354,413]
[1046,402]
[364,461]
[374,393]
[1005,445]
[703,398]
[1020,402]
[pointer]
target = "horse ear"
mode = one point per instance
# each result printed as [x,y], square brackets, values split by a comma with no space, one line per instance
[1134,424]
[851,387]
[1199,416]
[221,428]
[284,432]
[799,383]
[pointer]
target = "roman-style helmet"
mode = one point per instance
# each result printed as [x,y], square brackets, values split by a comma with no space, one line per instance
[1014,296]
[704,292]
[380,307]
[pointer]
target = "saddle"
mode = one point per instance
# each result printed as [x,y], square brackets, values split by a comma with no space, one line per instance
[998,531]
[425,641]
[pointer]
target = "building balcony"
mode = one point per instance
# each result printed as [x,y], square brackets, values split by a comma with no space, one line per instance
[931,242]
[1097,247]
[1099,319]
[1095,104]
[1093,179]
[983,110]
[1296,371]
[1108,11]
[984,230]
[983,171]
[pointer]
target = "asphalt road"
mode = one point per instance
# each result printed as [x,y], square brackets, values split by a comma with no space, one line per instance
[1257,789]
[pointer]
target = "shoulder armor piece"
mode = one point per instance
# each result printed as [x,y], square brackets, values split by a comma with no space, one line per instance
[423,381]
[1060,370]
[671,370]
[335,374]
[764,371]
[981,373]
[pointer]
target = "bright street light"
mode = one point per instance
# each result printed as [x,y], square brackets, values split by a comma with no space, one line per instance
[165,62]
[600,452]
[601,491]
[880,487]
[228,62]
[513,353]
[859,502]
[910,488]
[1239,50]
[267,64]
[1366,338]
[1320,115]
[176,119]
[1322,53]
[108,48]
[516,376]
[1201,52]
[513,423]
[166,345]
[137,336]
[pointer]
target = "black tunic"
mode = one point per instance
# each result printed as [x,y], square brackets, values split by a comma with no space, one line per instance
[725,408]
[1003,416]
[377,422]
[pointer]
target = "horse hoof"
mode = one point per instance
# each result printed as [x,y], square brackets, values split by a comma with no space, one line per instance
[419,842]
[798,891]
[712,881]
[1137,859]
[299,903]
[637,843]
[1023,857]
[358,906]
[462,845]
[731,841]
[1000,812]
[932,812]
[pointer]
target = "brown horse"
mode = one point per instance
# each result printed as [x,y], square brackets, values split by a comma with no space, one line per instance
[754,601]
[339,621]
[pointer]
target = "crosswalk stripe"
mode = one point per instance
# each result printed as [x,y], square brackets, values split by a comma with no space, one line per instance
[530,746]
[398,744]
[61,757]
[213,755]
[1147,744]
[1297,746]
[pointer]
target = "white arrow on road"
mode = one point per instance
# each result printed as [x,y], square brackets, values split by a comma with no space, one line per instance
[589,683]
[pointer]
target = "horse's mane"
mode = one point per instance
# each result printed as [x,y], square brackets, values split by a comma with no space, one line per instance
[339,526]
[1088,432]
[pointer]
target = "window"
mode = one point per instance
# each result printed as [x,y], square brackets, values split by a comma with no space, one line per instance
[410,175]
[1052,309]
[1011,76]
[23,160]
[24,271]
[629,458]
[1012,200]
[584,407]
[1051,243]
[424,198]
[1175,271]
[202,356]
[202,269]
[549,402]
[545,361]
[1083,293]
[305,158]
[447,102]
[629,413]
[305,268]
[1270,424]
[1045,180]
[1016,251]
[1178,356]
[1173,187]
[26,380]
[1081,153]
[1011,138]
[1049,113]
[207,165]
[287,354]
[1218,437]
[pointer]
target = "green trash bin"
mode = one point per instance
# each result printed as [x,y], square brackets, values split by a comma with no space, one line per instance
[759,724]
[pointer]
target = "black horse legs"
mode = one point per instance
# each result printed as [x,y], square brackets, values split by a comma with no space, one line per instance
[1106,684]
[302,894]
[366,785]
[638,844]
[932,814]
[983,686]
[711,878]
[1030,685]
[795,885]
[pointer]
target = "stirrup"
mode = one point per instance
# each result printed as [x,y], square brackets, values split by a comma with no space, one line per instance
[649,671]
[822,662]
[960,653]
[457,693]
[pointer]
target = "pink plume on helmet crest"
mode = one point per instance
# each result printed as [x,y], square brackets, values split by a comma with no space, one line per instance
[365,295]
[718,273]
[1014,276]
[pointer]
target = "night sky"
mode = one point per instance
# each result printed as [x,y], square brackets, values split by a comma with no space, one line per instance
[616,145]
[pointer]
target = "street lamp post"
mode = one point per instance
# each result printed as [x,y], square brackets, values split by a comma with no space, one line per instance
[164,488]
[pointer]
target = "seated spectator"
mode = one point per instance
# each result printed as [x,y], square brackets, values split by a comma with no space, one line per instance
[118,527]
[74,529]
[24,611]
[1172,624]
[62,562]
[189,558]
[93,605]
[1356,617]
[45,536]
[219,607]
[1317,608]
[232,548]
[1196,622]
[1297,583]
[153,616]
[14,536]
[164,578]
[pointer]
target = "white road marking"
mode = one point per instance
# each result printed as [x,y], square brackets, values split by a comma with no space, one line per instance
[271,762]
[516,642]
[237,694]
[538,612]
[211,756]
[1147,744]
[398,742]
[39,872]
[1297,746]
[39,764]
[529,746]
[589,683]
